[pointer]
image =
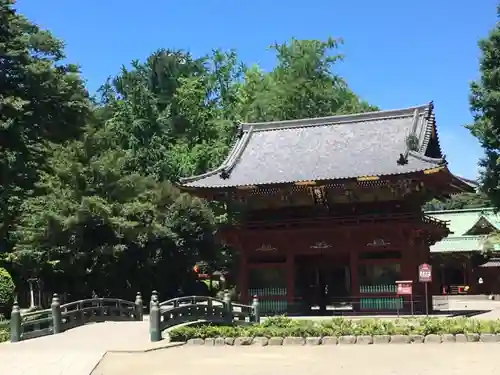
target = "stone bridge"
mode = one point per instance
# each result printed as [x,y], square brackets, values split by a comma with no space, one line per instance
[72,338]
[76,351]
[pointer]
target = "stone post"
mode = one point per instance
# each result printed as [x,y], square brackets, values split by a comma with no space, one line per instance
[32,293]
[228,307]
[154,296]
[255,310]
[154,320]
[56,314]
[139,308]
[15,323]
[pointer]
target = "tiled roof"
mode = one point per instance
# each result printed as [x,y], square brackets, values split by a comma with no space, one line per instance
[459,244]
[460,223]
[495,262]
[336,147]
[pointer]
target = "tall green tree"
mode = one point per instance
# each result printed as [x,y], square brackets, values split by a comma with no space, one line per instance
[97,226]
[175,113]
[42,101]
[106,215]
[303,84]
[485,106]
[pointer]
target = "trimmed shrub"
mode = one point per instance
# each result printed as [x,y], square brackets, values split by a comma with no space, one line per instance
[4,330]
[283,327]
[4,335]
[7,290]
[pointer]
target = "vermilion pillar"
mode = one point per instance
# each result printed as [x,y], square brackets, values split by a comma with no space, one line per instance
[290,274]
[353,264]
[243,277]
[409,263]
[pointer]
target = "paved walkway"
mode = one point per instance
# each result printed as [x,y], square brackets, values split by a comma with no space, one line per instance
[78,351]
[449,359]
[75,352]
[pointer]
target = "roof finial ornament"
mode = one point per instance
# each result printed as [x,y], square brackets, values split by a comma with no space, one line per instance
[402,160]
[239,130]
[224,174]
[430,109]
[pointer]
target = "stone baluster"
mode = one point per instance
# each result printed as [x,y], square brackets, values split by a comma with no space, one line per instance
[56,314]
[139,307]
[154,320]
[15,323]
[228,306]
[154,296]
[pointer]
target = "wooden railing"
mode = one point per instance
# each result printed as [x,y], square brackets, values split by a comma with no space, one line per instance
[245,313]
[191,309]
[60,318]
[34,324]
[201,309]
[85,311]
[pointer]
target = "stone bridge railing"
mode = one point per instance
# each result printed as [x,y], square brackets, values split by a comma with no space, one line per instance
[201,309]
[164,315]
[60,318]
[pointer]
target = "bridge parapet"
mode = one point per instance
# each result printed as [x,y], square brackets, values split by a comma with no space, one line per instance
[192,309]
[60,318]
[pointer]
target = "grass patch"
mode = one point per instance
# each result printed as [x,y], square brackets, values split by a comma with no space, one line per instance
[286,327]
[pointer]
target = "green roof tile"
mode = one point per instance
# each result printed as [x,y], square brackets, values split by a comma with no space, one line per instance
[460,222]
[459,244]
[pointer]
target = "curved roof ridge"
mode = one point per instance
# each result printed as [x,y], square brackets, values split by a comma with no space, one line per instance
[468,181]
[459,210]
[228,163]
[418,155]
[336,119]
[464,237]
[430,128]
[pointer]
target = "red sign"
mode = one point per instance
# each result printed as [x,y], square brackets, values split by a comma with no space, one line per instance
[404,290]
[425,273]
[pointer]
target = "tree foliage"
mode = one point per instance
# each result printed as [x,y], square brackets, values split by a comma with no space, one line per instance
[485,106]
[88,192]
[301,85]
[459,202]
[42,101]
[7,292]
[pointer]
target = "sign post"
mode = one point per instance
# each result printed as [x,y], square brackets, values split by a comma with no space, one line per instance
[425,276]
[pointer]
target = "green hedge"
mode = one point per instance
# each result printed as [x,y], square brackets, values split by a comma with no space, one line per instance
[283,327]
[4,330]
[7,290]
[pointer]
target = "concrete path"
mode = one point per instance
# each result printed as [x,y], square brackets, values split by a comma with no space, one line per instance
[75,352]
[78,351]
[419,359]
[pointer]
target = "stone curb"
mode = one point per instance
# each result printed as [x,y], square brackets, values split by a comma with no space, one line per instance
[164,345]
[347,340]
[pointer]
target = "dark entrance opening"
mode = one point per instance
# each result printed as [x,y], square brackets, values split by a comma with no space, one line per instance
[322,284]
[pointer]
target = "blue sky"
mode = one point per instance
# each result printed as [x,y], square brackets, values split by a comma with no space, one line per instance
[398,53]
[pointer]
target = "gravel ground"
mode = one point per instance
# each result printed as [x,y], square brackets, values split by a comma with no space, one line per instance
[418,359]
